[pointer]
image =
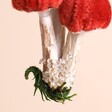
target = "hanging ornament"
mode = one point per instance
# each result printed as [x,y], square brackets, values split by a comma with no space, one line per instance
[59,51]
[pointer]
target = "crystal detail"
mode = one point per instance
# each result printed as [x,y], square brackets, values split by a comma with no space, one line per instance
[59,72]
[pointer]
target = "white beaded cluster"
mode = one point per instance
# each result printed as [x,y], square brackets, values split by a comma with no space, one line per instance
[58,72]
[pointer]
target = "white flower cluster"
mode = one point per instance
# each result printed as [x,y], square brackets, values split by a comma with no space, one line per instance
[58,72]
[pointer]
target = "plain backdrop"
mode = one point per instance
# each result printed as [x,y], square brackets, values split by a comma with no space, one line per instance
[20,47]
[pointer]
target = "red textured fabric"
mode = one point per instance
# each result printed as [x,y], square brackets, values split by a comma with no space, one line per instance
[35,5]
[86,15]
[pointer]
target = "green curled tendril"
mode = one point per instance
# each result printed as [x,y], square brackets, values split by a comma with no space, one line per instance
[59,95]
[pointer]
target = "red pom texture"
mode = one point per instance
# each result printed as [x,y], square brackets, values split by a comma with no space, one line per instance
[35,5]
[86,15]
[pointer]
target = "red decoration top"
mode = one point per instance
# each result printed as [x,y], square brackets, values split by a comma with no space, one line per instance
[86,15]
[35,5]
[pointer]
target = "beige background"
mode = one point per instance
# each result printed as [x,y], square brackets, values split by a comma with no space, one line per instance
[20,47]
